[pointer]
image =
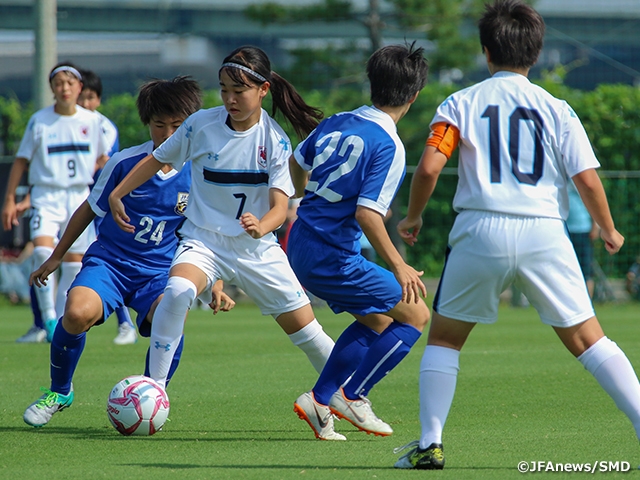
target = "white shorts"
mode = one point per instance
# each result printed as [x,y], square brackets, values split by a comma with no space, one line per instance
[489,251]
[52,209]
[259,267]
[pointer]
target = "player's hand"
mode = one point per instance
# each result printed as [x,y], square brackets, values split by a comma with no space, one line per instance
[409,230]
[613,240]
[9,214]
[221,301]
[251,225]
[119,214]
[412,286]
[41,275]
[23,206]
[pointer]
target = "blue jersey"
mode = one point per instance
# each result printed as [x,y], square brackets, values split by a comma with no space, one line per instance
[156,208]
[356,159]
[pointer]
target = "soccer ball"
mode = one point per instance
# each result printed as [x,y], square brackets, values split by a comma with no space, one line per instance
[137,405]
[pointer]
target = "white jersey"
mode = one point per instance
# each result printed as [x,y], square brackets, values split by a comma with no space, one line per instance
[231,172]
[62,149]
[111,132]
[519,145]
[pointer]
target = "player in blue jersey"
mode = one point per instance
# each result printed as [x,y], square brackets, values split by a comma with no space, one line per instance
[120,269]
[91,98]
[349,170]
[239,195]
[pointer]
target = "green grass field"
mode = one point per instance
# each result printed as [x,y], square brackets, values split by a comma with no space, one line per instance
[520,397]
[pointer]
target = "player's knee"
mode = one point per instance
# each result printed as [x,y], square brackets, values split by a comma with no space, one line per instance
[179,294]
[78,318]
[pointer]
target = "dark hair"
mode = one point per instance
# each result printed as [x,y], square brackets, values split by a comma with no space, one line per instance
[180,96]
[303,118]
[396,74]
[64,64]
[91,81]
[512,32]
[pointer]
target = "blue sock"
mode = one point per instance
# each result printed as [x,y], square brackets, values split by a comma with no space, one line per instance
[174,363]
[35,308]
[123,316]
[66,350]
[383,355]
[348,352]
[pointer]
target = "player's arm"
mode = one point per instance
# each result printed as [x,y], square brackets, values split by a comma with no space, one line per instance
[102,159]
[372,224]
[78,222]
[277,214]
[143,171]
[594,198]
[10,212]
[299,176]
[441,143]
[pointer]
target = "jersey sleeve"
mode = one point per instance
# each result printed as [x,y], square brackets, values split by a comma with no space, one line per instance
[29,141]
[109,178]
[383,178]
[177,148]
[447,113]
[301,154]
[279,176]
[576,147]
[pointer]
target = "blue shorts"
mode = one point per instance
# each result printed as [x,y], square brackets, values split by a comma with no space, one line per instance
[347,281]
[120,285]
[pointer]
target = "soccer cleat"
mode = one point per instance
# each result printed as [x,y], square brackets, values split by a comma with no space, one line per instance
[34,335]
[431,458]
[319,417]
[126,334]
[50,327]
[359,413]
[40,412]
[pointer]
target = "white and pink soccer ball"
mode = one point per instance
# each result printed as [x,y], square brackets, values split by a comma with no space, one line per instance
[137,405]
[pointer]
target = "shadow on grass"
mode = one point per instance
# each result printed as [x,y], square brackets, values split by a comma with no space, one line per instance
[175,466]
[108,433]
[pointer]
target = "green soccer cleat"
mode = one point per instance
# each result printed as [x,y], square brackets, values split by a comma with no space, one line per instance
[431,458]
[40,412]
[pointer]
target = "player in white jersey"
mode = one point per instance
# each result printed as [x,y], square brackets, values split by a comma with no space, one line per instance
[239,196]
[91,98]
[349,170]
[518,148]
[62,147]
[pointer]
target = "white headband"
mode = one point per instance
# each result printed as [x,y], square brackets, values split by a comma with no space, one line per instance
[65,68]
[244,69]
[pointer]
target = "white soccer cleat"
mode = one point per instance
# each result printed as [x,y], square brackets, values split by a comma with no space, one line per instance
[34,335]
[126,334]
[40,412]
[359,413]
[319,417]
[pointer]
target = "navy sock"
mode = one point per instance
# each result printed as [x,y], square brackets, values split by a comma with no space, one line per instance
[174,362]
[383,355]
[348,352]
[66,350]
[123,315]
[35,308]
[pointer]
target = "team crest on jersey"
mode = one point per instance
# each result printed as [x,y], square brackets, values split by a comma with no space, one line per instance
[84,130]
[262,157]
[181,204]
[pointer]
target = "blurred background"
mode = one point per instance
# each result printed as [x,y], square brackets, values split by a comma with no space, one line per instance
[591,59]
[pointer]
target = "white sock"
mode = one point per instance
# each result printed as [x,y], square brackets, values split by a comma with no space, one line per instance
[313,341]
[613,371]
[68,272]
[167,326]
[45,294]
[438,374]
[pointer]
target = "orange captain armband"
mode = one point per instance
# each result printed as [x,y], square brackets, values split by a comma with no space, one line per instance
[444,137]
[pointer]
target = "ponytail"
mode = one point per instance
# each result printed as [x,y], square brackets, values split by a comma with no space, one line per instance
[302,117]
[250,64]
